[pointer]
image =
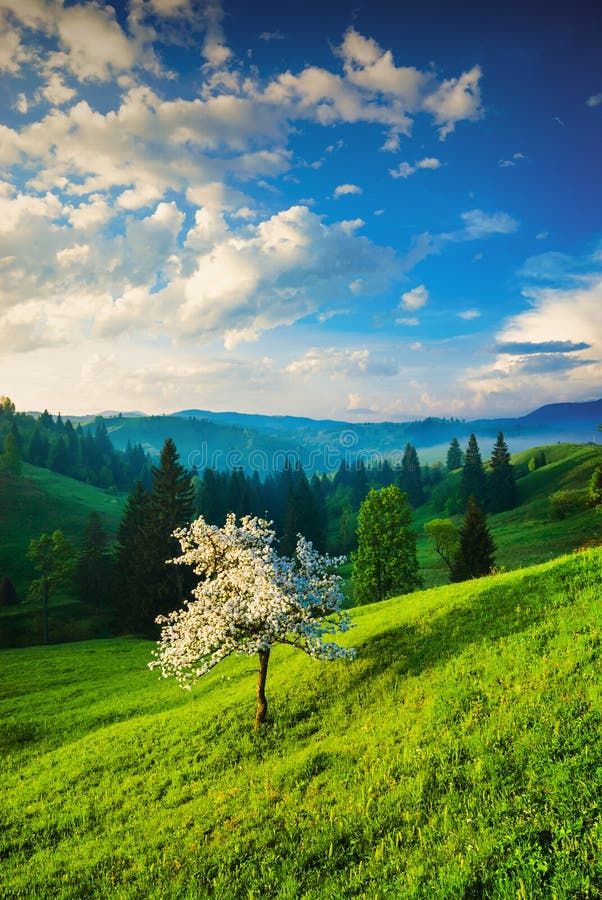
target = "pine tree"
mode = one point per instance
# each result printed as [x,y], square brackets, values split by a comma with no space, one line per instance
[301,516]
[502,486]
[94,568]
[38,447]
[131,598]
[476,555]
[474,481]
[8,594]
[171,506]
[410,478]
[454,455]
[359,483]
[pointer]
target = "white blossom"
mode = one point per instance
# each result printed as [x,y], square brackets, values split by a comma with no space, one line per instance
[248,598]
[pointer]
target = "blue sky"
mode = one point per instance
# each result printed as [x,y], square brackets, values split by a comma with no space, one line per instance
[356,210]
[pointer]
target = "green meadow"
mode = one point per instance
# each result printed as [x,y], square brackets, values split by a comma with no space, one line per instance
[460,756]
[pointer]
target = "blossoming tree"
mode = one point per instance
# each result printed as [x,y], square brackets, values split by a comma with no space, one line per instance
[249,598]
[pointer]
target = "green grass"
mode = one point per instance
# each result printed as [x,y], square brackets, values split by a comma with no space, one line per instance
[458,757]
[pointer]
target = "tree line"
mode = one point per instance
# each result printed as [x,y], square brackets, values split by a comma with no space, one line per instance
[85,454]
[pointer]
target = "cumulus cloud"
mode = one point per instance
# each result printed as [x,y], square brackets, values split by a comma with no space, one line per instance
[197,281]
[594,100]
[341,363]
[455,100]
[415,299]
[561,331]
[343,190]
[373,89]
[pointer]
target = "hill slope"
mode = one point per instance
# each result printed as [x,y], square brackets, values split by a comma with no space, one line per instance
[531,532]
[459,756]
[36,502]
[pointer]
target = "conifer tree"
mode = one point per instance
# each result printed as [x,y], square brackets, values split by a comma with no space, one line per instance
[94,567]
[474,481]
[410,477]
[502,486]
[301,516]
[131,599]
[476,554]
[171,506]
[38,447]
[454,455]
[8,594]
[359,483]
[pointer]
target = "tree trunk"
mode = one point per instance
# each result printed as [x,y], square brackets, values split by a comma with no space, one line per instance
[262,703]
[45,613]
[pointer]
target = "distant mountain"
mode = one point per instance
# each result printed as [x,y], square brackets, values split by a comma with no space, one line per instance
[225,440]
[566,413]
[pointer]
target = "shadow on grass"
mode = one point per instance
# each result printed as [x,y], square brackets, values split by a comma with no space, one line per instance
[506,607]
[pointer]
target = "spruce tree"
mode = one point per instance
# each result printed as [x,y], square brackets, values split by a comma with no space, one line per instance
[38,447]
[171,506]
[410,478]
[8,594]
[502,486]
[454,455]
[131,598]
[94,568]
[474,480]
[476,554]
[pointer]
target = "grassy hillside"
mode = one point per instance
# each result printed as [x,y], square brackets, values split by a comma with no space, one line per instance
[36,502]
[530,533]
[458,756]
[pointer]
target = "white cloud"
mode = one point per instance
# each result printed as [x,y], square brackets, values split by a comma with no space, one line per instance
[69,256]
[335,362]
[22,104]
[456,99]
[404,169]
[373,89]
[415,299]
[469,314]
[556,319]
[479,224]
[343,190]
[56,91]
